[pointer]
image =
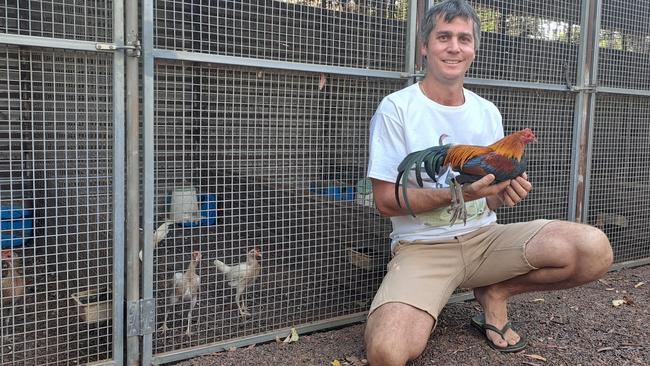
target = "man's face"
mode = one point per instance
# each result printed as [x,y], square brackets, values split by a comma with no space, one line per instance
[450,49]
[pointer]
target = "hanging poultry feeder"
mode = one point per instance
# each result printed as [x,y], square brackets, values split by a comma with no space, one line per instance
[93,307]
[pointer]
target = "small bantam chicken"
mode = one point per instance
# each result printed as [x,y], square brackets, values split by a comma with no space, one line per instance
[242,276]
[504,158]
[12,283]
[184,287]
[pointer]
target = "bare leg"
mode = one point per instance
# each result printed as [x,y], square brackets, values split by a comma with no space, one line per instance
[242,309]
[396,333]
[164,327]
[189,316]
[567,255]
[8,319]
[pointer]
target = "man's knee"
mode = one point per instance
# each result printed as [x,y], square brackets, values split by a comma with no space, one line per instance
[597,248]
[396,333]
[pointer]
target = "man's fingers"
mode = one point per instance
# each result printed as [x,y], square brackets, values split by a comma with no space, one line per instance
[515,198]
[487,180]
[521,188]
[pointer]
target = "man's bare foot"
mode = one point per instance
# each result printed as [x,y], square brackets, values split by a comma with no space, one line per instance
[496,314]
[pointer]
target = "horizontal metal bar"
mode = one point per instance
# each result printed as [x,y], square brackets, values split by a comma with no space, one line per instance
[516,84]
[630,264]
[510,84]
[102,363]
[174,356]
[602,89]
[460,297]
[273,64]
[46,42]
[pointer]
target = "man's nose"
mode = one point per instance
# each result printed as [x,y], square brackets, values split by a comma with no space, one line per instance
[453,45]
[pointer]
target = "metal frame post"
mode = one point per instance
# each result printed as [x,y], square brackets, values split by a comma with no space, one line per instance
[118,185]
[133,183]
[148,164]
[584,110]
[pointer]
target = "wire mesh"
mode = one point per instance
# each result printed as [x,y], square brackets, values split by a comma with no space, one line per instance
[529,41]
[624,45]
[371,34]
[550,116]
[280,155]
[55,175]
[618,193]
[81,20]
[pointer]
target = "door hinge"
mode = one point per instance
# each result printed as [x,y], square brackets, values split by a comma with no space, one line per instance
[140,317]
[134,50]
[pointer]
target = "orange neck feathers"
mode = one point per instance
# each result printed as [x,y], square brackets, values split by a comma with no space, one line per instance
[510,146]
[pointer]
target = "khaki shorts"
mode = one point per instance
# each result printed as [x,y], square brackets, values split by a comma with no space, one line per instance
[424,274]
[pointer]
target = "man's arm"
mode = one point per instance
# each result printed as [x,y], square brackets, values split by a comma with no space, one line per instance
[427,199]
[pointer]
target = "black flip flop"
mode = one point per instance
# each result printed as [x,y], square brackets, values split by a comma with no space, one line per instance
[478,322]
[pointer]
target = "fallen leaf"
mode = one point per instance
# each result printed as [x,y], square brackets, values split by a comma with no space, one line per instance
[610,289]
[294,335]
[537,300]
[639,284]
[618,302]
[354,360]
[605,349]
[531,363]
[628,300]
[322,81]
[336,363]
[536,357]
[603,281]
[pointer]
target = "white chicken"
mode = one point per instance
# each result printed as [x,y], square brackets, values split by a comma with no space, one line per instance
[242,276]
[184,287]
[12,283]
[159,234]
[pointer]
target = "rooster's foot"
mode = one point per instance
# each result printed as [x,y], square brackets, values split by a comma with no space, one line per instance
[188,332]
[164,328]
[244,312]
[457,207]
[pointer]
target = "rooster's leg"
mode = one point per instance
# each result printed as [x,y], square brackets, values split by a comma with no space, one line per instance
[242,308]
[457,207]
[164,327]
[7,319]
[189,316]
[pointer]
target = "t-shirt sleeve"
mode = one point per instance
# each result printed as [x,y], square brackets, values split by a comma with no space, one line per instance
[387,143]
[498,125]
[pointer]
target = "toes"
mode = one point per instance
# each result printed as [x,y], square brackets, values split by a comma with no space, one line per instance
[496,339]
[512,337]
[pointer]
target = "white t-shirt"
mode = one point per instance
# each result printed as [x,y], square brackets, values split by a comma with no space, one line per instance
[408,121]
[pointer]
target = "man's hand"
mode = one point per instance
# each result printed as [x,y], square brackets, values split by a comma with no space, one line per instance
[484,188]
[512,194]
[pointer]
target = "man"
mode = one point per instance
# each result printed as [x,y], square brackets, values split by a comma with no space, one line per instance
[431,258]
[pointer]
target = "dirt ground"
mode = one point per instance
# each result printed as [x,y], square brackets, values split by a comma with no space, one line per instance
[574,327]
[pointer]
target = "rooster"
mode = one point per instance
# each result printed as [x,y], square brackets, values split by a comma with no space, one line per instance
[242,276]
[185,287]
[12,283]
[504,158]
